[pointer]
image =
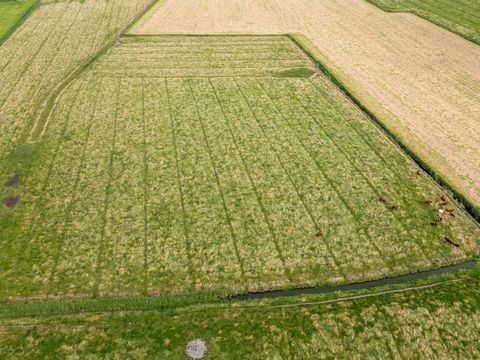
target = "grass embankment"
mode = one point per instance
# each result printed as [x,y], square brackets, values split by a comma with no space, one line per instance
[458,16]
[12,13]
[440,319]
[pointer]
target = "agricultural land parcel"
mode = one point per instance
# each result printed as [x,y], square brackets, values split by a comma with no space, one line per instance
[34,62]
[11,12]
[154,96]
[459,16]
[419,79]
[179,164]
[438,322]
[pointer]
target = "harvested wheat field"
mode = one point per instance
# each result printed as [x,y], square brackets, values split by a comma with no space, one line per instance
[419,79]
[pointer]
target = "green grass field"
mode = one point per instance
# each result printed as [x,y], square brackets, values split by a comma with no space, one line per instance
[11,12]
[438,320]
[163,173]
[459,16]
[50,46]
[187,164]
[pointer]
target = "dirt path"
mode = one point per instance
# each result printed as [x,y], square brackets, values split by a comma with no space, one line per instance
[423,81]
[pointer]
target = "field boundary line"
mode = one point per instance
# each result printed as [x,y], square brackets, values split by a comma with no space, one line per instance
[219,35]
[470,208]
[425,17]
[141,17]
[41,307]
[219,307]
[20,22]
[365,285]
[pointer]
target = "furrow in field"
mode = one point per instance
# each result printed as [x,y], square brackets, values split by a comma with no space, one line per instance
[169,267]
[212,251]
[261,263]
[76,272]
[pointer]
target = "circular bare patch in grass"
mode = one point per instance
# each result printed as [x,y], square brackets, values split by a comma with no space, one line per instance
[11,201]
[14,180]
[196,348]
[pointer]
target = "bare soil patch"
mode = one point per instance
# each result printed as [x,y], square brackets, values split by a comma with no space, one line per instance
[420,79]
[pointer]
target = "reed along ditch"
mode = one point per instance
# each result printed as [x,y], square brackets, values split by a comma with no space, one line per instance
[355,286]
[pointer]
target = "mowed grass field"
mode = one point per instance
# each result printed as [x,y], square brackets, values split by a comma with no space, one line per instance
[460,16]
[437,322]
[57,38]
[11,12]
[419,80]
[180,164]
[141,186]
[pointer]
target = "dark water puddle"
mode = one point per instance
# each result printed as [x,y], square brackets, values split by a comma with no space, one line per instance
[14,180]
[356,286]
[11,201]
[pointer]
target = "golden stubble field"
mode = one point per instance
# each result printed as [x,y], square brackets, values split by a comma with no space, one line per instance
[421,80]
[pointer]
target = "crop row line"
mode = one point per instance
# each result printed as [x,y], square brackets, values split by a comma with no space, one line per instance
[262,207]
[302,200]
[98,269]
[357,170]
[222,195]
[74,191]
[145,195]
[179,184]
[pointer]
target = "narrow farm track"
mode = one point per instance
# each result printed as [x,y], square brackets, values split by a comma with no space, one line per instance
[178,164]
[419,79]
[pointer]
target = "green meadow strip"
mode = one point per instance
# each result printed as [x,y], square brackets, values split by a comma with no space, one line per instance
[13,15]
